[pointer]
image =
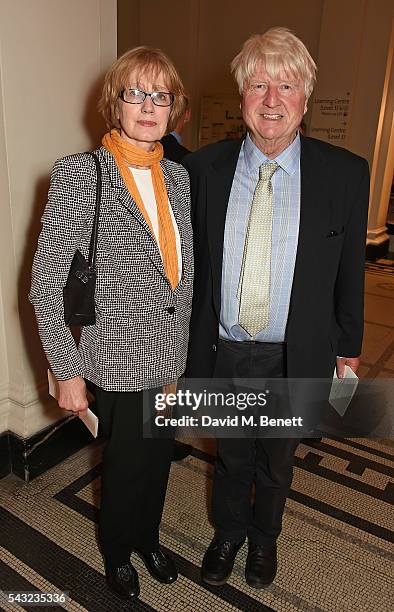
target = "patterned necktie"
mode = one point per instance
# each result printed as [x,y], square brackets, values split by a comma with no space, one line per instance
[254,285]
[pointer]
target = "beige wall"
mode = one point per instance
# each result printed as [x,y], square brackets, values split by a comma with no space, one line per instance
[349,39]
[374,47]
[7,270]
[202,37]
[352,55]
[52,57]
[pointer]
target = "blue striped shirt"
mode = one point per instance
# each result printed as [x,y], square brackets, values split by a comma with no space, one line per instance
[285,225]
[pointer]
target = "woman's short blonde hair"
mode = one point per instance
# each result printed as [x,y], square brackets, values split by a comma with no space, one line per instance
[277,49]
[145,61]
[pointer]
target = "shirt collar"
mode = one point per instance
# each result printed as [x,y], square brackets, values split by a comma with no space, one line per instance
[177,136]
[288,160]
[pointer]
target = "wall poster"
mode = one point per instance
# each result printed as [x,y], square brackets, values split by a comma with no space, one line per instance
[220,118]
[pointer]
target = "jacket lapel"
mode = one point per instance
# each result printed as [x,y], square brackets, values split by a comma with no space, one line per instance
[315,214]
[129,206]
[219,182]
[123,195]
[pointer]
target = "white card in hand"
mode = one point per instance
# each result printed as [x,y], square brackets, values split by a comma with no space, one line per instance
[88,418]
[342,390]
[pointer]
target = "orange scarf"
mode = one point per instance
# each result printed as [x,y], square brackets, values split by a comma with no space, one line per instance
[125,155]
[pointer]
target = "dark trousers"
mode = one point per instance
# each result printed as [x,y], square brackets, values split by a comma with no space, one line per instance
[265,462]
[134,478]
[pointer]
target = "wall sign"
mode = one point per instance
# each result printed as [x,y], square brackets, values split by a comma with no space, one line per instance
[330,117]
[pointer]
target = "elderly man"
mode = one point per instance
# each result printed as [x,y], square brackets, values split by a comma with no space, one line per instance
[279,223]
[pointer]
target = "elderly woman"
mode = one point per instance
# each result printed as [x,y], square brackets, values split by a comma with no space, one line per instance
[143,299]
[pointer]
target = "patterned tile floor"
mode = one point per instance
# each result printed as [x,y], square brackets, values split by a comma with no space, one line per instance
[335,550]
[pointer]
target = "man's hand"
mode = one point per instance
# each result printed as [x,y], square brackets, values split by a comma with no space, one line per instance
[72,395]
[352,362]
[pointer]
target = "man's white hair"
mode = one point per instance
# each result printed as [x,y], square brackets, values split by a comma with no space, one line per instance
[278,49]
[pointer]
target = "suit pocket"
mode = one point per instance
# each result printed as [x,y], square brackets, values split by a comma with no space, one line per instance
[334,234]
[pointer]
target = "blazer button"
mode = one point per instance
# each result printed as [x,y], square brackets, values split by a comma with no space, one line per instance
[214,347]
[170,310]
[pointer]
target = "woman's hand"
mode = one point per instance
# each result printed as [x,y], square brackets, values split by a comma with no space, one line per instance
[72,394]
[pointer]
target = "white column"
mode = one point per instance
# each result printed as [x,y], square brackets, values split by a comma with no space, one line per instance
[383,159]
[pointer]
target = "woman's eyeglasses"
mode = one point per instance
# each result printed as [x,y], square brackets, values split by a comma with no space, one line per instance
[137,96]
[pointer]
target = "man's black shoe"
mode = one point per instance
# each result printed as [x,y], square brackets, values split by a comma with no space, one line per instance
[123,581]
[218,561]
[261,565]
[181,451]
[159,565]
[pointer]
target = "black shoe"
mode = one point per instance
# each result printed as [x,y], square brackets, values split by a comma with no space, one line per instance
[123,581]
[159,565]
[261,565]
[218,561]
[181,451]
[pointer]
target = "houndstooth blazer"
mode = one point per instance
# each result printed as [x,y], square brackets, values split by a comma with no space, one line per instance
[140,337]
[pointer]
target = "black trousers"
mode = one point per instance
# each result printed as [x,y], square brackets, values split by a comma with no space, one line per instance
[134,478]
[265,462]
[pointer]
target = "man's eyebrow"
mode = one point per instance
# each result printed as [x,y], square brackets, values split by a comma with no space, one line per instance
[289,80]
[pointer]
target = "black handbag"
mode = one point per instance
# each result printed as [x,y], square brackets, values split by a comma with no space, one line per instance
[78,294]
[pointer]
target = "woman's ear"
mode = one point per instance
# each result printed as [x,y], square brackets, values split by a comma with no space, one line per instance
[117,113]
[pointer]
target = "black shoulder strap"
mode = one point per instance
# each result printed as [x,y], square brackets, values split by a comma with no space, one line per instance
[93,239]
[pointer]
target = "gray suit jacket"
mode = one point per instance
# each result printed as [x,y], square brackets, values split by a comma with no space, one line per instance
[140,337]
